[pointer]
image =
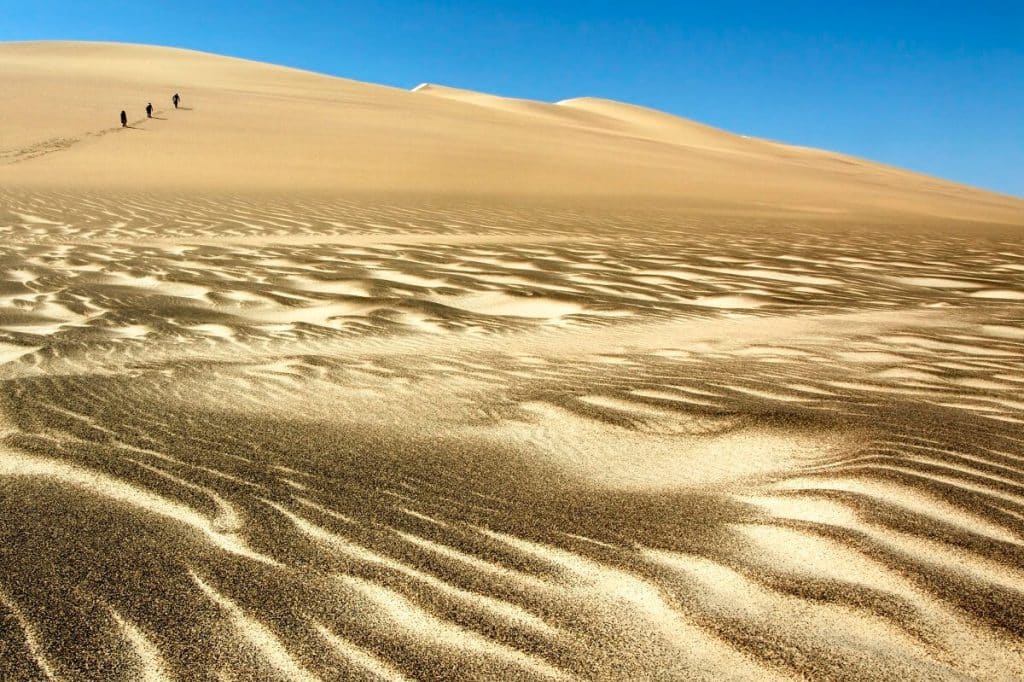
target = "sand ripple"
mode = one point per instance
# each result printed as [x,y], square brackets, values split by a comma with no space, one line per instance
[333,440]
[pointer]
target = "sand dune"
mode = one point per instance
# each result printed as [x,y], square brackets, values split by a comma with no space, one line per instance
[377,398]
[248,126]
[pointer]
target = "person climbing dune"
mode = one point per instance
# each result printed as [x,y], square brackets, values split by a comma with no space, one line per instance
[176,99]
[149,110]
[124,119]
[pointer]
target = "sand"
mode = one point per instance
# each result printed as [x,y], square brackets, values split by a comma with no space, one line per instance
[317,379]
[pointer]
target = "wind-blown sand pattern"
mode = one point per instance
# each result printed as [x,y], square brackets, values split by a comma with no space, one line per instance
[322,436]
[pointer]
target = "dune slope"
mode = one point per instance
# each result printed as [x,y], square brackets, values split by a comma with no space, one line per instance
[250,126]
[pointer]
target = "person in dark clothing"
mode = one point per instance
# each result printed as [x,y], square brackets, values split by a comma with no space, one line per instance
[124,119]
[149,110]
[176,99]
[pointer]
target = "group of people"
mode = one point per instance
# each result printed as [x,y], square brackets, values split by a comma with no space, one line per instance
[149,110]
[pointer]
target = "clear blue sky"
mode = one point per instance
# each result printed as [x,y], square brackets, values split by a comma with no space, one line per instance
[933,86]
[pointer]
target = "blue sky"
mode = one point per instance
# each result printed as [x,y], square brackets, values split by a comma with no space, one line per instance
[932,86]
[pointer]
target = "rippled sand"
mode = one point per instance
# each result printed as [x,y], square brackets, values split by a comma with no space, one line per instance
[258,439]
[317,379]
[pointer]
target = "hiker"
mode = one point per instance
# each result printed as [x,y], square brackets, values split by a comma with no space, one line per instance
[176,99]
[124,119]
[149,110]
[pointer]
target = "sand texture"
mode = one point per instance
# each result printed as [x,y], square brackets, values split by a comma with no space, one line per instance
[320,380]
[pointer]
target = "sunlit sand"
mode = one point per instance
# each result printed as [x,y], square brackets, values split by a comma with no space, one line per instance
[317,379]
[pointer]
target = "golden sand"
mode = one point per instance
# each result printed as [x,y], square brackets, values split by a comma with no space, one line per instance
[316,379]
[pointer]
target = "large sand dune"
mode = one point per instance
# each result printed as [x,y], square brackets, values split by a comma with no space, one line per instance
[255,127]
[315,379]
